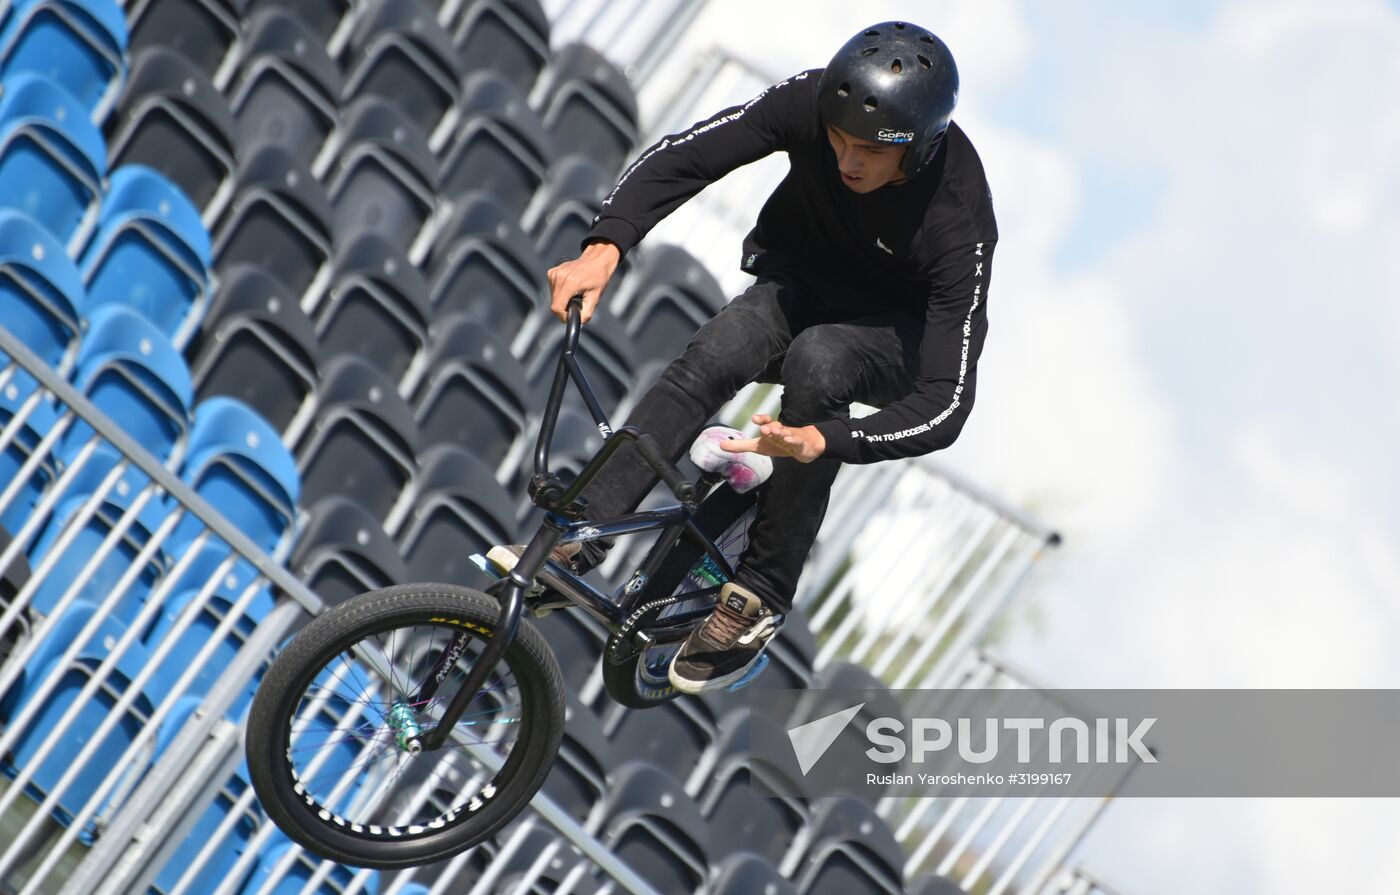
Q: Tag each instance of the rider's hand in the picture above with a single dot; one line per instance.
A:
(801, 443)
(586, 275)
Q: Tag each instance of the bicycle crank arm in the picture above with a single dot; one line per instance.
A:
(512, 599)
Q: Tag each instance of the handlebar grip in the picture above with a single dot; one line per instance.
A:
(683, 488)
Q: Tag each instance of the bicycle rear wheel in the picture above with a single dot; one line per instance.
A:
(333, 725)
(678, 598)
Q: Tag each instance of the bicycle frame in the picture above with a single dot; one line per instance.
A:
(563, 525)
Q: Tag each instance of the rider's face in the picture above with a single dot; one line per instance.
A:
(865, 166)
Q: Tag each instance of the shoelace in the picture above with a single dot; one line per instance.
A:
(725, 624)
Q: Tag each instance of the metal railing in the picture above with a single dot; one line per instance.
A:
(119, 751)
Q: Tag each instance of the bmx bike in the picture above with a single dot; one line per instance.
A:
(408, 724)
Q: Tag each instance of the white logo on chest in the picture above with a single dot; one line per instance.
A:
(880, 244)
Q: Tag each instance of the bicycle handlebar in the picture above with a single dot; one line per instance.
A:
(647, 446)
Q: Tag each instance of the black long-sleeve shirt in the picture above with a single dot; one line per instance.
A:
(925, 243)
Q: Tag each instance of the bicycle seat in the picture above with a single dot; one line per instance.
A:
(743, 472)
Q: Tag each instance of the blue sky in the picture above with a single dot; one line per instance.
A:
(1192, 370)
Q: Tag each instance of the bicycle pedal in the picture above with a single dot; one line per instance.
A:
(753, 672)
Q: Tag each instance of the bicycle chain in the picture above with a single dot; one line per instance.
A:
(623, 635)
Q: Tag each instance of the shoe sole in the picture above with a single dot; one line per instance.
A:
(695, 688)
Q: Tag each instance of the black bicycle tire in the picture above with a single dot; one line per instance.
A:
(528, 656)
(621, 679)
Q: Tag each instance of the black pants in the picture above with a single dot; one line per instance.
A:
(785, 329)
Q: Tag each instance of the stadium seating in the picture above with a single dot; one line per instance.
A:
(850, 849)
(563, 209)
(652, 825)
(485, 266)
(669, 296)
(39, 420)
(363, 440)
(150, 253)
(377, 307)
(588, 106)
(458, 509)
(475, 393)
(227, 850)
(506, 36)
(400, 53)
(172, 119)
(51, 158)
(41, 290)
(279, 221)
(501, 145)
(344, 552)
(743, 873)
(288, 88)
(258, 345)
(384, 179)
(75, 45)
(206, 32)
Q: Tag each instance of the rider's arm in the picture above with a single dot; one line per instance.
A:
(681, 165)
(930, 417)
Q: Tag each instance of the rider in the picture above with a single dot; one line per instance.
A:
(872, 260)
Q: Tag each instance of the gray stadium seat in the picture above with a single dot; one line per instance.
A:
(288, 90)
(343, 552)
(458, 509)
(851, 850)
(588, 106)
(363, 442)
(501, 145)
(384, 179)
(400, 53)
(257, 345)
(563, 210)
(510, 37)
(172, 119)
(204, 31)
(376, 308)
(485, 266)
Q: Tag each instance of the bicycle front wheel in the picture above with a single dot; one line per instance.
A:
(334, 725)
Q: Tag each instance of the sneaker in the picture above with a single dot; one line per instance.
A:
(726, 646)
(543, 596)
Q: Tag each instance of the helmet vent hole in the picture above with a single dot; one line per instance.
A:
(871, 103)
(924, 61)
(843, 90)
(872, 33)
(870, 51)
(926, 39)
(899, 26)
(897, 66)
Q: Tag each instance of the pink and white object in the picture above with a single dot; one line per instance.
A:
(743, 472)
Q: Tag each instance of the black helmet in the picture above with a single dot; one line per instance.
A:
(892, 83)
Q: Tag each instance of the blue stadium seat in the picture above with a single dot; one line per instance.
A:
(459, 509)
(198, 634)
(129, 369)
(588, 104)
(652, 825)
(41, 292)
(214, 870)
(343, 552)
(364, 441)
(204, 31)
(93, 712)
(280, 221)
(78, 44)
(485, 266)
(236, 461)
(501, 146)
(172, 119)
(385, 177)
(475, 392)
(101, 586)
(510, 37)
(400, 53)
(40, 421)
(150, 253)
(51, 158)
(377, 307)
(288, 89)
(257, 345)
